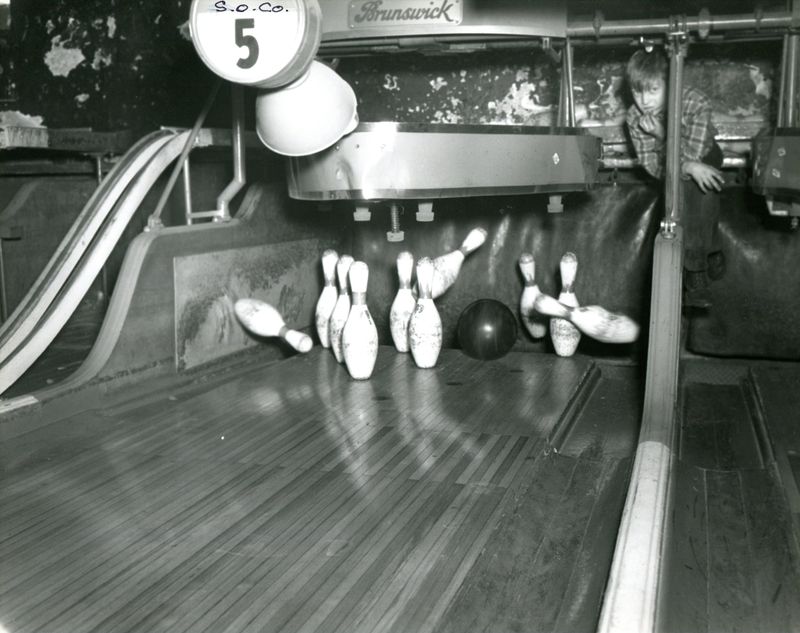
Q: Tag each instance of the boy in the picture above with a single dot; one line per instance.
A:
(700, 161)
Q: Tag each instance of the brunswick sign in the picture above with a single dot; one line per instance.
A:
(382, 13)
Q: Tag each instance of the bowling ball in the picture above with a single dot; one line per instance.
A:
(487, 329)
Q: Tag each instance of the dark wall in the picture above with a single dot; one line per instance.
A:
(611, 230)
(107, 65)
(756, 303)
(32, 226)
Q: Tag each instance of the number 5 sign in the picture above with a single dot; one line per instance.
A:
(256, 43)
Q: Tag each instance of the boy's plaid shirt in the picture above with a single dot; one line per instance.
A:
(697, 133)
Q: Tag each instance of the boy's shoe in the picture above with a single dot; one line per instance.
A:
(716, 265)
(697, 294)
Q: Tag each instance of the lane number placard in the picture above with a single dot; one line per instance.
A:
(250, 42)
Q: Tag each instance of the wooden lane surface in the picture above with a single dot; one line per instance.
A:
(733, 556)
(293, 498)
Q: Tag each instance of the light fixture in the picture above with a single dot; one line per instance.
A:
(308, 115)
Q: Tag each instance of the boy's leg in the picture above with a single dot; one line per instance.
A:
(700, 220)
(712, 202)
(700, 217)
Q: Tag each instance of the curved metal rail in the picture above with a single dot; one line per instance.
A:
(76, 274)
(78, 239)
(633, 594)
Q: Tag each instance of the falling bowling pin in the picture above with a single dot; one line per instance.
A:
(262, 319)
(594, 321)
(425, 324)
(359, 335)
(527, 267)
(341, 310)
(328, 296)
(564, 334)
(447, 267)
(404, 302)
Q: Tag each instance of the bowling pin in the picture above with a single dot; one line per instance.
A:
(359, 335)
(425, 324)
(341, 310)
(446, 267)
(594, 321)
(404, 302)
(529, 293)
(262, 319)
(565, 335)
(328, 296)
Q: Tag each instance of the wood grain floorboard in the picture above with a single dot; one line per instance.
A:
(686, 587)
(292, 498)
(583, 596)
(775, 578)
(732, 555)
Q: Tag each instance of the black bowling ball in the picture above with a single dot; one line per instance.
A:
(487, 329)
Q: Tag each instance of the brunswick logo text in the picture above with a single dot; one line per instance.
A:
(403, 12)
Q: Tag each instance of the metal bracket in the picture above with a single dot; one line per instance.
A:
(668, 228)
(646, 43)
(677, 44)
(395, 234)
(154, 223)
(678, 34)
(758, 14)
(425, 211)
(362, 213)
(703, 23)
(597, 23)
(555, 205)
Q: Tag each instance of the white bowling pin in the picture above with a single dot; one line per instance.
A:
(527, 266)
(404, 302)
(359, 336)
(594, 321)
(341, 310)
(446, 267)
(328, 296)
(565, 335)
(262, 319)
(425, 324)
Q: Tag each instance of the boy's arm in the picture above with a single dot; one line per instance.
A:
(649, 149)
(697, 139)
(698, 131)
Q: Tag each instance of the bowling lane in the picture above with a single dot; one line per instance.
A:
(472, 496)
(732, 550)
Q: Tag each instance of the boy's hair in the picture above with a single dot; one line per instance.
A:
(646, 67)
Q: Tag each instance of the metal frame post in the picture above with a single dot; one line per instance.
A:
(567, 80)
(677, 51)
(789, 84)
(237, 133)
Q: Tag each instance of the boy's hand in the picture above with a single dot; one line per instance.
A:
(652, 125)
(706, 176)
